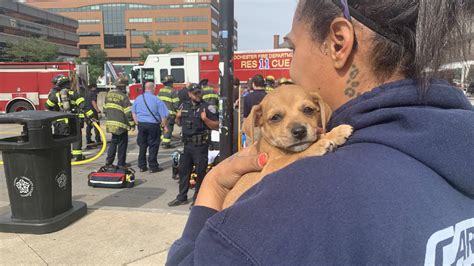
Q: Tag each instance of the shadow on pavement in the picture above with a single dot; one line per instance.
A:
(130, 198)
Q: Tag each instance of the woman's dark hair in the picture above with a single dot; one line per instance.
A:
(416, 31)
(258, 80)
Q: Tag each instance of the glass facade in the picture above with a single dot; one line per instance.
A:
(114, 25)
(195, 19)
(196, 45)
(88, 33)
(89, 21)
(103, 7)
(140, 20)
(168, 32)
(167, 19)
(141, 32)
(195, 32)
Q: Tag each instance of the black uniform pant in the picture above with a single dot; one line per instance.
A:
(120, 142)
(62, 128)
(148, 139)
(89, 128)
(193, 156)
(166, 139)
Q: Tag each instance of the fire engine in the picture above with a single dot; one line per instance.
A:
(25, 86)
(193, 67)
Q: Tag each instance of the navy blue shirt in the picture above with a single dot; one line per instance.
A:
(157, 107)
(400, 191)
(252, 99)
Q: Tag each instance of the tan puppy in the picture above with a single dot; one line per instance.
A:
(285, 124)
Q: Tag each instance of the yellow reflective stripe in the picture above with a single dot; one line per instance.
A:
(81, 116)
(114, 106)
(73, 102)
(166, 99)
(132, 123)
(172, 112)
(210, 96)
(165, 90)
(90, 113)
(116, 124)
(165, 140)
(71, 92)
(76, 152)
(50, 103)
(176, 100)
(80, 100)
(127, 110)
(65, 120)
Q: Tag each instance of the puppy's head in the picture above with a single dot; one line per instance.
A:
(288, 118)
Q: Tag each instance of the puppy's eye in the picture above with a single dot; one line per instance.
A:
(276, 118)
(308, 110)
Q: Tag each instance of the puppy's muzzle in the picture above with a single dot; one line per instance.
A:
(299, 132)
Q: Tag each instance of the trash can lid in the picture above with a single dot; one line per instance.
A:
(33, 119)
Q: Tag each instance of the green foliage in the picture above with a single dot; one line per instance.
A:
(96, 57)
(154, 47)
(31, 50)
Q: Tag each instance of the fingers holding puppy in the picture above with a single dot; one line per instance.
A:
(222, 178)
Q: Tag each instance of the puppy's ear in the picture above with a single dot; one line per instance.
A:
(324, 109)
(254, 120)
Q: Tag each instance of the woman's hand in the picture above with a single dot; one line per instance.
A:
(222, 178)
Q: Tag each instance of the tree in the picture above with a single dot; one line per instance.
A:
(154, 47)
(96, 57)
(31, 50)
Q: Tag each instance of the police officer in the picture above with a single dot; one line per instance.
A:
(118, 111)
(196, 118)
(63, 98)
(170, 97)
(269, 84)
(208, 94)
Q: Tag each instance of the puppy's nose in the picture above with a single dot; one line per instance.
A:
(299, 132)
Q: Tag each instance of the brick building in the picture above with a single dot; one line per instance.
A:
(186, 25)
(19, 21)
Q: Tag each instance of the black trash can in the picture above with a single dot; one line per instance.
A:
(38, 173)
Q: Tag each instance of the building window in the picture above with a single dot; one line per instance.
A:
(174, 45)
(141, 32)
(114, 25)
(167, 19)
(195, 32)
(196, 45)
(168, 32)
(89, 21)
(89, 34)
(196, 19)
(138, 45)
(89, 46)
(177, 61)
(215, 22)
(103, 7)
(140, 20)
(214, 34)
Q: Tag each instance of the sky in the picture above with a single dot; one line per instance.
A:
(259, 20)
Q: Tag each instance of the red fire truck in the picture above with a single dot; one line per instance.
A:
(25, 86)
(193, 67)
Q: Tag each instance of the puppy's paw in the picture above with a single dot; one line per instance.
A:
(340, 134)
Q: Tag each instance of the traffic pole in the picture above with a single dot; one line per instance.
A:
(226, 74)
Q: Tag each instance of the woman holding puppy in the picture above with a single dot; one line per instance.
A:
(400, 191)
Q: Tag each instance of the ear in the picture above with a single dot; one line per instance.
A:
(252, 121)
(324, 109)
(341, 41)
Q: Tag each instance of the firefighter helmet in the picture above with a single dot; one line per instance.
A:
(204, 82)
(55, 79)
(168, 79)
(121, 82)
(63, 82)
(194, 88)
(270, 78)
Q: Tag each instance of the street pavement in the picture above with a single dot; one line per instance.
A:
(123, 226)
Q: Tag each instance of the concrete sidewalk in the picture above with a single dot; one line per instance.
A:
(104, 236)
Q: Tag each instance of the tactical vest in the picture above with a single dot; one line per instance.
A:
(191, 121)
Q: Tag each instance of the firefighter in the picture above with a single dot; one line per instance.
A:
(170, 97)
(196, 118)
(64, 99)
(118, 112)
(269, 84)
(208, 94)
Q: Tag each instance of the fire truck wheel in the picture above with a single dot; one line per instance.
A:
(20, 106)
